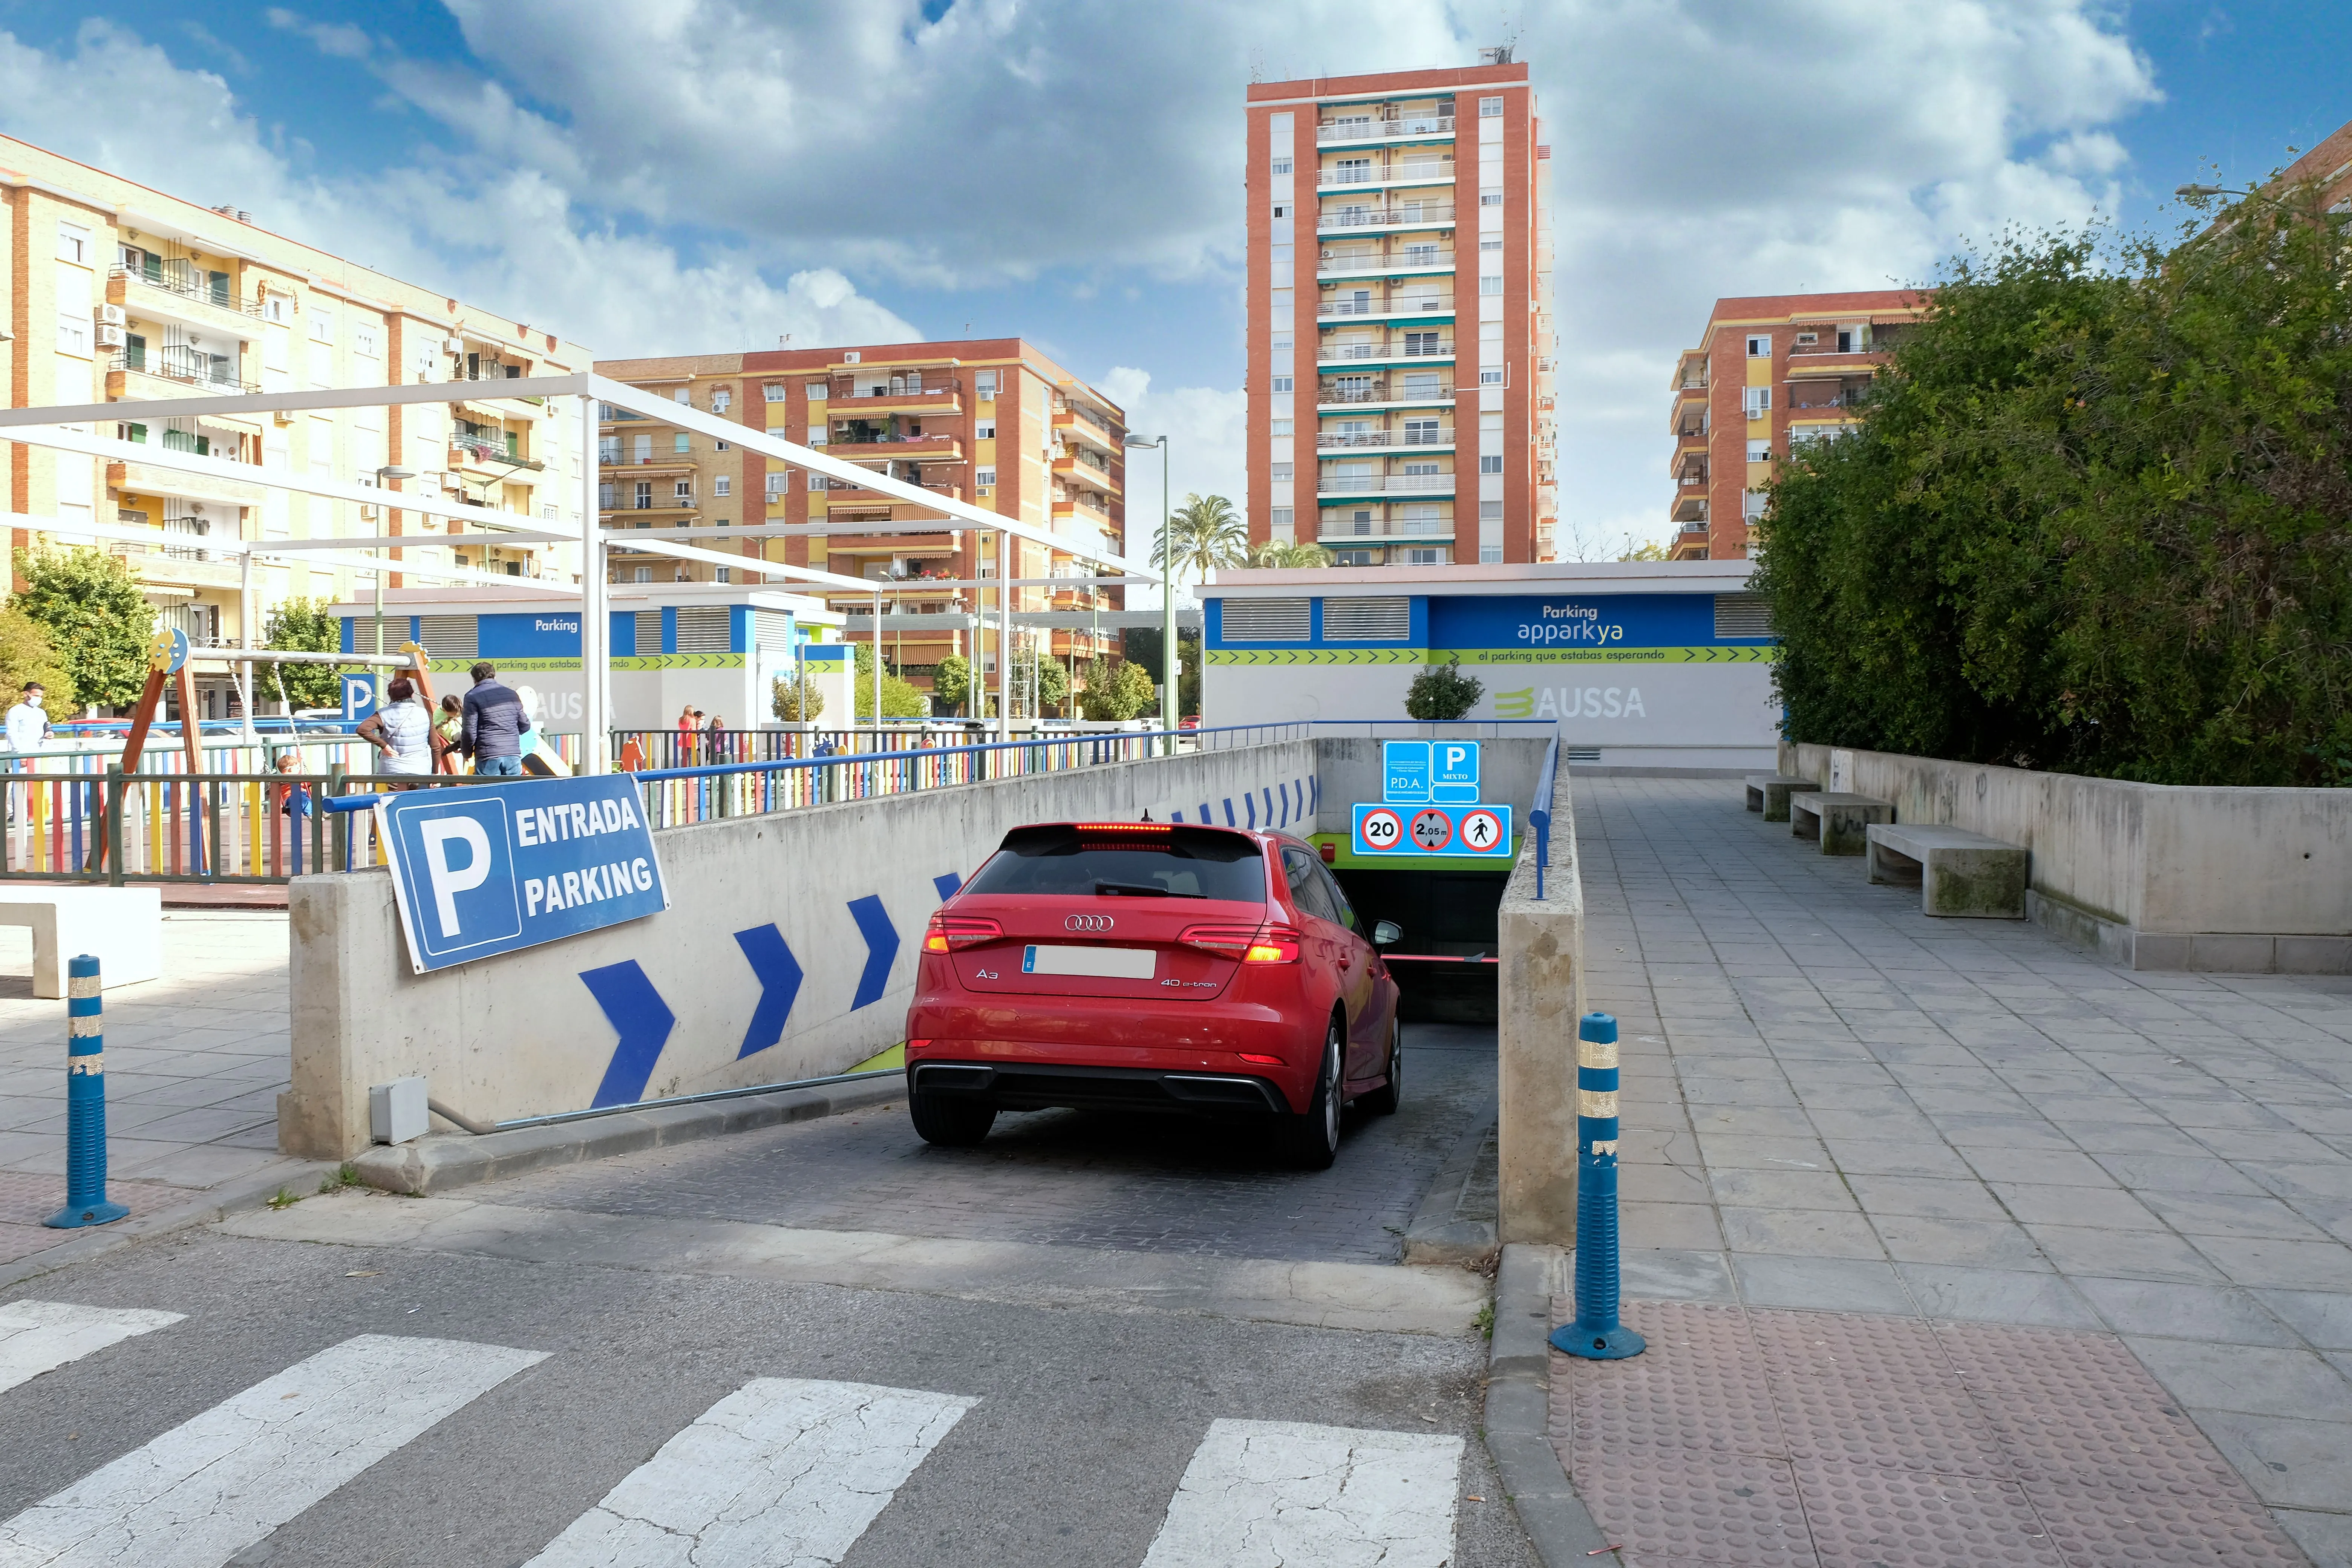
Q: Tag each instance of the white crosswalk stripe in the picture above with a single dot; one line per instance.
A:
(223, 1479)
(36, 1336)
(782, 1473)
(1280, 1494)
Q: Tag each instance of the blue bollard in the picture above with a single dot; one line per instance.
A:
(85, 1103)
(1596, 1334)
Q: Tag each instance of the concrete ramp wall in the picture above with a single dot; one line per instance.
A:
(788, 953)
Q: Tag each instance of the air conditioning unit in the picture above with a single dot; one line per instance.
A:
(367, 514)
(109, 337)
(850, 358)
(109, 316)
(453, 346)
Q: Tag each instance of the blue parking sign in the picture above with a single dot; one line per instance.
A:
(485, 870)
(1453, 773)
(1404, 772)
(359, 697)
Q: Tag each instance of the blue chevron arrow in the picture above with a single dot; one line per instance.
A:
(642, 1019)
(947, 885)
(779, 975)
(881, 949)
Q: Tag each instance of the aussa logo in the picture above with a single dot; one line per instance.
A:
(1571, 702)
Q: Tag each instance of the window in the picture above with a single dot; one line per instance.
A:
(722, 484)
(984, 430)
(1760, 346)
(677, 443)
(817, 390)
(1760, 451)
(684, 490)
(682, 396)
(644, 448)
(608, 448)
(1490, 511)
(1490, 555)
(1282, 472)
(73, 243)
(1752, 505)
(1425, 555)
(274, 308)
(1490, 285)
(985, 478)
(1499, 376)
(1284, 344)
(644, 495)
(985, 382)
(778, 480)
(364, 340)
(772, 391)
(641, 574)
(73, 334)
(1490, 247)
(604, 496)
(1489, 108)
(1281, 211)
(719, 446)
(1282, 163)
(721, 400)
(1490, 198)
(323, 323)
(1491, 464)
(1282, 427)
(1282, 516)
(1283, 383)
(1756, 400)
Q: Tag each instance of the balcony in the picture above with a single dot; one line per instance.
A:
(1688, 510)
(908, 448)
(651, 463)
(177, 560)
(872, 400)
(1417, 260)
(1408, 439)
(1077, 420)
(1411, 172)
(845, 492)
(1801, 396)
(1382, 353)
(657, 503)
(169, 373)
(491, 460)
(1404, 214)
(1430, 306)
(1332, 527)
(1370, 392)
(191, 296)
(1384, 485)
(1073, 468)
(141, 478)
(1384, 128)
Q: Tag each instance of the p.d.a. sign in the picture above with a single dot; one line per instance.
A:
(478, 872)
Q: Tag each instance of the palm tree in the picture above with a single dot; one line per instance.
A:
(1284, 552)
(1201, 535)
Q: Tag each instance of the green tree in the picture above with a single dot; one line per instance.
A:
(951, 683)
(1275, 554)
(900, 699)
(304, 625)
(1648, 550)
(1142, 646)
(1115, 692)
(90, 606)
(26, 655)
(1052, 681)
(795, 699)
(2096, 516)
(1206, 535)
(1442, 691)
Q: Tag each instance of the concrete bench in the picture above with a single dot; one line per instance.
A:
(1769, 793)
(124, 926)
(1837, 822)
(1956, 872)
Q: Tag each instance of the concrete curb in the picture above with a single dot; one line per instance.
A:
(1434, 1235)
(248, 1192)
(442, 1161)
(1519, 1410)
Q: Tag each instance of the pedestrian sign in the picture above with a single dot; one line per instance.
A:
(1475, 832)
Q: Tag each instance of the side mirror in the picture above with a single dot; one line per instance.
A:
(1385, 932)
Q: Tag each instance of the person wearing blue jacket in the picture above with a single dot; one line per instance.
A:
(494, 725)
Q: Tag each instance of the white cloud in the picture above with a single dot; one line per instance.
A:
(1205, 449)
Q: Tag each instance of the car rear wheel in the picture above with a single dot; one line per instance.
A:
(950, 1121)
(1384, 1101)
(1312, 1140)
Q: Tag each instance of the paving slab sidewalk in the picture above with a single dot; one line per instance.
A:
(194, 1062)
(1835, 1105)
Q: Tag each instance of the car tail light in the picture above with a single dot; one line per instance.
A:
(1250, 945)
(948, 932)
(1158, 828)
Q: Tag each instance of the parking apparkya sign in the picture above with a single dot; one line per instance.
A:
(477, 872)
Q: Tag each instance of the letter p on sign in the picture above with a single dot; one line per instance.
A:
(449, 881)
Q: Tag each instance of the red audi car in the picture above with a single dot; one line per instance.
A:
(1152, 966)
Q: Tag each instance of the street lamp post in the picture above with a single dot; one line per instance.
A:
(1167, 600)
(388, 472)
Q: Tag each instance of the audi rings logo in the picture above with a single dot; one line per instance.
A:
(1087, 922)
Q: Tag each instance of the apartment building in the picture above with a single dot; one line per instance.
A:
(992, 422)
(1400, 403)
(1770, 372)
(115, 291)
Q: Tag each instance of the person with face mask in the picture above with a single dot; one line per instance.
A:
(28, 724)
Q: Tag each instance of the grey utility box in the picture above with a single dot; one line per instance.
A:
(396, 1110)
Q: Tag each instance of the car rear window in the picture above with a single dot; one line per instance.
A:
(1176, 861)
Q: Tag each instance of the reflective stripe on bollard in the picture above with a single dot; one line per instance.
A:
(85, 1103)
(1596, 1334)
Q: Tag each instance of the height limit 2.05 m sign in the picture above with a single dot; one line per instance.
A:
(478, 872)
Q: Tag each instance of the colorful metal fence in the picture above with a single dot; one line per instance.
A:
(166, 827)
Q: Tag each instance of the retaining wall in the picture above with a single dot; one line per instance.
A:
(1540, 996)
(2153, 876)
(788, 953)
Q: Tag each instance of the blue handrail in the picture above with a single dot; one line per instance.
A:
(1540, 812)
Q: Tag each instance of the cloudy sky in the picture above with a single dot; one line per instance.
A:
(656, 176)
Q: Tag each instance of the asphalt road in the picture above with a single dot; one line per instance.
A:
(711, 1391)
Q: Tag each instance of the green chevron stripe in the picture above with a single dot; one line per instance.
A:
(1753, 654)
(620, 661)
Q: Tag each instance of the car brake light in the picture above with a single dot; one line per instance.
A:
(1250, 945)
(1159, 828)
(948, 933)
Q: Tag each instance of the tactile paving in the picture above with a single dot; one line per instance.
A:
(1752, 1436)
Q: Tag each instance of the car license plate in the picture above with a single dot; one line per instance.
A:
(1107, 962)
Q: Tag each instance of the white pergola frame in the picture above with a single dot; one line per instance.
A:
(51, 427)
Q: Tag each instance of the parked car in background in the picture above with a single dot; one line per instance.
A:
(1152, 966)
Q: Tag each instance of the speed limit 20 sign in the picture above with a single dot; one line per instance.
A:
(1471, 832)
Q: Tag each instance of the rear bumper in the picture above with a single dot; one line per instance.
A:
(1035, 1086)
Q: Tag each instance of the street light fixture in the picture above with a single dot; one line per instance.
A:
(1167, 599)
(389, 471)
(2201, 190)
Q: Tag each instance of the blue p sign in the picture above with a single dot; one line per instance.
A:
(454, 868)
(1453, 773)
(359, 696)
